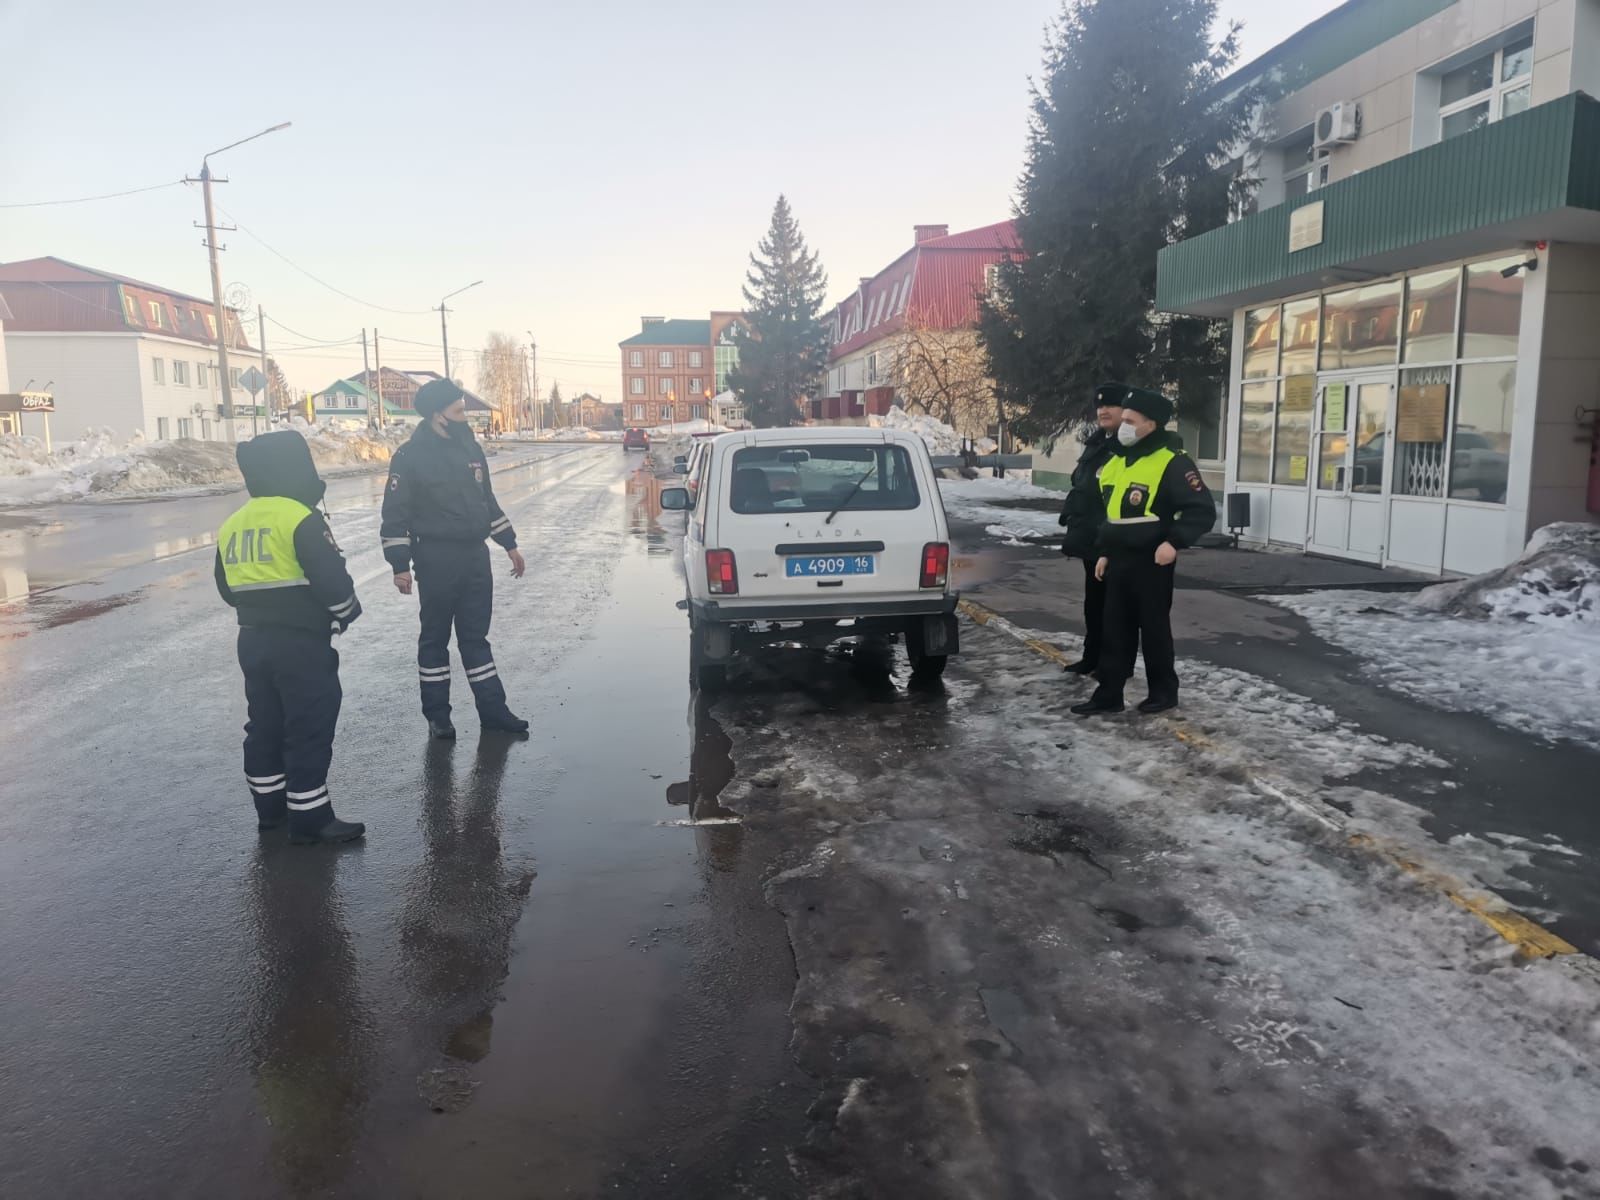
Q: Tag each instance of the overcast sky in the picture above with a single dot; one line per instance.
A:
(590, 162)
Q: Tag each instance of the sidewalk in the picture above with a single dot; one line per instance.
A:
(1524, 811)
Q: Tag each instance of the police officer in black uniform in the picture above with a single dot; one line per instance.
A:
(1081, 514)
(1154, 504)
(438, 508)
(278, 565)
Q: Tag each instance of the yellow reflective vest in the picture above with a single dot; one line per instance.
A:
(1130, 488)
(256, 545)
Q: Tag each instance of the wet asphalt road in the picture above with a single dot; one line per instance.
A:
(532, 979)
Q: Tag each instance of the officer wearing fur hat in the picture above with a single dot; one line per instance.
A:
(1154, 505)
(438, 508)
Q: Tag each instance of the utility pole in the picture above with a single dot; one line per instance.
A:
(527, 388)
(366, 378)
(266, 388)
(377, 356)
(533, 383)
(221, 314)
(444, 330)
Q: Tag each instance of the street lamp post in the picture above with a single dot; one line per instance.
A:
(444, 330)
(216, 277)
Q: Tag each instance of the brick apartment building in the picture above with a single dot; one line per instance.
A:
(672, 368)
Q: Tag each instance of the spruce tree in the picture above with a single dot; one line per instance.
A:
(784, 352)
(1129, 137)
(555, 406)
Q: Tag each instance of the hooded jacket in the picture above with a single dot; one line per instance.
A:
(439, 490)
(1083, 509)
(278, 465)
(1183, 506)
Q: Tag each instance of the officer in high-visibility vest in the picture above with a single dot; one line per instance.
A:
(278, 565)
(1155, 504)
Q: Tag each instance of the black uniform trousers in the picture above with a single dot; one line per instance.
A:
(1094, 613)
(291, 689)
(456, 588)
(1138, 613)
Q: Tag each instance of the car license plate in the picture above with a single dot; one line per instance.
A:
(828, 565)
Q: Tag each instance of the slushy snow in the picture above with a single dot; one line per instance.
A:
(1520, 646)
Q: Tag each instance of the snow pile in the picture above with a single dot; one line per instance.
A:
(941, 438)
(1556, 579)
(1520, 645)
(688, 429)
(102, 466)
(577, 433)
(1010, 508)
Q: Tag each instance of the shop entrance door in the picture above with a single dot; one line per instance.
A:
(1350, 482)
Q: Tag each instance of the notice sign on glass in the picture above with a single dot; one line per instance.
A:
(1298, 464)
(1299, 393)
(1422, 413)
(1334, 400)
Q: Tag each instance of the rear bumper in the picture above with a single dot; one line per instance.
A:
(938, 604)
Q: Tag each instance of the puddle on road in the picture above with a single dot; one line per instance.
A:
(710, 766)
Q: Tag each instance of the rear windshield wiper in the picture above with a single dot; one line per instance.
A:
(851, 494)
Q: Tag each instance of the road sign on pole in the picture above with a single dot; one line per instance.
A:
(253, 381)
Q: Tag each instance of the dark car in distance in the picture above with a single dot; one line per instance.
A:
(635, 439)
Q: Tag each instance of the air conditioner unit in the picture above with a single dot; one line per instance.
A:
(199, 410)
(1337, 124)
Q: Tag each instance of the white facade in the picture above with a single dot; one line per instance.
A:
(129, 382)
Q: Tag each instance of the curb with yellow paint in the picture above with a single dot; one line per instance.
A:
(1530, 938)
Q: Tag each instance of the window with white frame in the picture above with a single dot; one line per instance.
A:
(636, 386)
(161, 429)
(638, 412)
(180, 372)
(157, 317)
(696, 411)
(185, 427)
(1491, 87)
(696, 386)
(696, 358)
(234, 374)
(872, 367)
(664, 386)
(200, 378)
(664, 358)
(158, 370)
(666, 412)
(211, 327)
(636, 358)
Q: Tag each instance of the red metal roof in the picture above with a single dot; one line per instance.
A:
(51, 269)
(935, 283)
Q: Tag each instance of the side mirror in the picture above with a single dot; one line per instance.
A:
(680, 467)
(675, 499)
(682, 458)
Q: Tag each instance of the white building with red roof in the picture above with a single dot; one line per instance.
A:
(932, 288)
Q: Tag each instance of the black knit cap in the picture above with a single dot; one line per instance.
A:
(435, 396)
(1143, 401)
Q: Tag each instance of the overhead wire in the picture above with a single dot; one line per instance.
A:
(155, 187)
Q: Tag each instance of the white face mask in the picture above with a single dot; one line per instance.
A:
(1126, 434)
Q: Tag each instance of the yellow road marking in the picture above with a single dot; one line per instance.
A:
(1529, 937)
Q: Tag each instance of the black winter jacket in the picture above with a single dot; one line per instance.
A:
(439, 490)
(1184, 506)
(1083, 509)
(279, 464)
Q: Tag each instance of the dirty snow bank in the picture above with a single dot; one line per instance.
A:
(941, 438)
(1520, 646)
(99, 465)
(1031, 948)
(1011, 508)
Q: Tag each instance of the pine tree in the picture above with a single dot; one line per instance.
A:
(555, 405)
(784, 352)
(1128, 136)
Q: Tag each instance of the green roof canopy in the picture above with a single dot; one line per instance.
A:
(672, 333)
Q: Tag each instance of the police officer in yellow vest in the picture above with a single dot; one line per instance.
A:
(278, 566)
(1156, 504)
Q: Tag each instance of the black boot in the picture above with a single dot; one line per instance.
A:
(1158, 704)
(272, 810)
(443, 730)
(330, 832)
(1101, 702)
(504, 721)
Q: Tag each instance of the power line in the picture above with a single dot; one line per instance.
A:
(310, 337)
(155, 187)
(400, 312)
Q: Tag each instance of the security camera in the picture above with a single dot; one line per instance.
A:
(1510, 272)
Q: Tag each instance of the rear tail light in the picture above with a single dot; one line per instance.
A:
(722, 575)
(935, 564)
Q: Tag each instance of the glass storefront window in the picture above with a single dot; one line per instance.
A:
(1360, 327)
(1300, 336)
(1491, 312)
(1291, 448)
(1430, 333)
(1261, 342)
(1258, 400)
(1372, 415)
(1421, 411)
(1480, 455)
